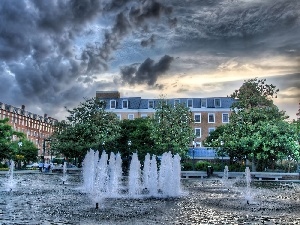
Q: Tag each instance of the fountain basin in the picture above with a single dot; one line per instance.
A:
(43, 199)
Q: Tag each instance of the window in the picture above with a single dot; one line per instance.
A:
(125, 104)
(211, 117)
(130, 116)
(225, 118)
(190, 103)
(211, 129)
(217, 102)
(203, 103)
(197, 118)
(112, 104)
(150, 104)
(119, 116)
(143, 115)
(198, 132)
(176, 102)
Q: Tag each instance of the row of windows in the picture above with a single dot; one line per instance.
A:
(31, 132)
(28, 123)
(151, 103)
(211, 118)
(197, 117)
(198, 132)
(29, 117)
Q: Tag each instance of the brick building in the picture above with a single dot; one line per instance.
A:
(37, 128)
(208, 113)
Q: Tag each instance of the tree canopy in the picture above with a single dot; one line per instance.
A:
(135, 137)
(7, 135)
(87, 126)
(257, 130)
(171, 128)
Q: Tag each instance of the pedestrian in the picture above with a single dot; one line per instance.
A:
(46, 166)
(41, 165)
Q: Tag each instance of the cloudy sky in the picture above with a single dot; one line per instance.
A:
(56, 53)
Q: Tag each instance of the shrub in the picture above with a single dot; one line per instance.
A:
(202, 165)
(186, 166)
(4, 165)
(218, 167)
(236, 167)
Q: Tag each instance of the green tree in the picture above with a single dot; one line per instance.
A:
(171, 128)
(24, 151)
(6, 139)
(137, 132)
(257, 129)
(254, 93)
(296, 124)
(87, 126)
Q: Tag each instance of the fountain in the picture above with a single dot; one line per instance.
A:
(248, 192)
(225, 177)
(152, 177)
(37, 199)
(11, 182)
(102, 180)
(65, 175)
(134, 179)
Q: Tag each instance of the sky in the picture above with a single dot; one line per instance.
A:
(55, 54)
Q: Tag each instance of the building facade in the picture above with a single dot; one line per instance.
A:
(207, 113)
(38, 129)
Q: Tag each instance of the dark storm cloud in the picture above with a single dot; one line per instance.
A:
(35, 42)
(147, 42)
(41, 61)
(51, 50)
(152, 9)
(236, 27)
(147, 72)
(96, 57)
(243, 19)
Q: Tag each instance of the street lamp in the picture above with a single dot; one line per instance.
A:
(129, 144)
(193, 154)
(222, 143)
(128, 161)
(19, 154)
(103, 145)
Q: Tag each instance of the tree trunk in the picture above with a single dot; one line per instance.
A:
(253, 165)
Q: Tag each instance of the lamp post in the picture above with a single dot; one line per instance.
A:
(222, 143)
(44, 148)
(128, 158)
(193, 154)
(19, 154)
(103, 146)
(129, 144)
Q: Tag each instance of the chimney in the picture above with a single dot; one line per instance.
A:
(23, 107)
(45, 115)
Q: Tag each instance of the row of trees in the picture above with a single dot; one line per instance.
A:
(91, 126)
(257, 131)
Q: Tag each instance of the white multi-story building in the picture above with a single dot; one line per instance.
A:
(207, 113)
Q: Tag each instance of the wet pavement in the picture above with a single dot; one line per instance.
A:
(44, 199)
